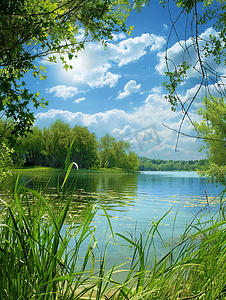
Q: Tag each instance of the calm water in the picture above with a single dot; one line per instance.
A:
(133, 201)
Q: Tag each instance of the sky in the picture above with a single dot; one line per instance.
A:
(120, 90)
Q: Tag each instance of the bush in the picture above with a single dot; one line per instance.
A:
(5, 161)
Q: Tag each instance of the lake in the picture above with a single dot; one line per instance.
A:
(133, 202)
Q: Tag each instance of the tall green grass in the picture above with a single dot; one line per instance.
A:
(37, 262)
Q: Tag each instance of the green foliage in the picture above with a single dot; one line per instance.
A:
(113, 153)
(49, 147)
(106, 151)
(6, 162)
(131, 162)
(31, 148)
(84, 149)
(176, 78)
(212, 129)
(31, 29)
(56, 141)
(147, 164)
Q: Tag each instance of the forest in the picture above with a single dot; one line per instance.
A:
(147, 164)
(49, 148)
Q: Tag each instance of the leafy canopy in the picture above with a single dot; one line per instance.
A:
(40, 29)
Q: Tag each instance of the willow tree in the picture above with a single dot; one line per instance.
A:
(47, 29)
(116, 154)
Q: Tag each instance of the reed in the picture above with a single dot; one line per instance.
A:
(195, 268)
(37, 262)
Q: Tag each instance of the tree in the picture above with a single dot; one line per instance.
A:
(32, 148)
(31, 29)
(131, 161)
(212, 129)
(84, 149)
(113, 154)
(57, 140)
(196, 51)
(119, 148)
(106, 151)
(49, 147)
(179, 166)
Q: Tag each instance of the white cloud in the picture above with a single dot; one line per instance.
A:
(79, 100)
(177, 54)
(195, 86)
(97, 67)
(93, 65)
(165, 27)
(120, 36)
(155, 98)
(155, 110)
(133, 48)
(156, 90)
(151, 112)
(130, 88)
(63, 91)
(121, 132)
(201, 91)
(159, 41)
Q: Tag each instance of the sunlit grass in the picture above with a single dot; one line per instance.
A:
(34, 169)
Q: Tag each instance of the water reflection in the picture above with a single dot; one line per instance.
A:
(113, 190)
(121, 192)
(133, 200)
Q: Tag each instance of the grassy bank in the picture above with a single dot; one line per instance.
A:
(49, 169)
(37, 262)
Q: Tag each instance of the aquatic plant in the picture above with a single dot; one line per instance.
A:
(36, 260)
(194, 268)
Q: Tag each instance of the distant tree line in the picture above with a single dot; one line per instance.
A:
(49, 147)
(147, 164)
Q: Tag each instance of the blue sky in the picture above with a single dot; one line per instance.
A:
(120, 90)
